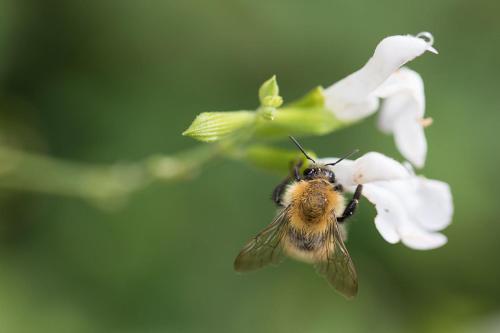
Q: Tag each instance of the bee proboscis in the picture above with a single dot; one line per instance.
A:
(308, 226)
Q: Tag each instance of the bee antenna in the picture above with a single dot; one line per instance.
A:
(301, 149)
(355, 151)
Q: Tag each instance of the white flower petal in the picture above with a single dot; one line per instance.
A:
(389, 211)
(404, 91)
(402, 80)
(370, 167)
(344, 172)
(392, 108)
(428, 202)
(402, 113)
(419, 239)
(354, 92)
(434, 208)
(395, 221)
(410, 208)
(374, 166)
(410, 139)
(353, 112)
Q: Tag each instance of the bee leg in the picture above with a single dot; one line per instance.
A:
(351, 206)
(278, 191)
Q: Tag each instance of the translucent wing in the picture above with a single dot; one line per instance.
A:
(337, 266)
(265, 248)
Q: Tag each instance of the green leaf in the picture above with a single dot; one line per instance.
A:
(273, 159)
(213, 126)
(269, 93)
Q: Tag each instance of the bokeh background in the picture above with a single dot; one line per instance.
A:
(105, 81)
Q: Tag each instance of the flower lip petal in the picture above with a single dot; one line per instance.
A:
(427, 205)
(396, 220)
(389, 211)
(419, 239)
(411, 209)
(434, 207)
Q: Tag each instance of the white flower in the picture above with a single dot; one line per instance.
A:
(411, 209)
(357, 95)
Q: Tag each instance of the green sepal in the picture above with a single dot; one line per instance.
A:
(298, 121)
(267, 112)
(272, 158)
(214, 126)
(306, 116)
(313, 99)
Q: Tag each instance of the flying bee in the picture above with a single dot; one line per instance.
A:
(308, 226)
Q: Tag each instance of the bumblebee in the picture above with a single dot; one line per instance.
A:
(308, 226)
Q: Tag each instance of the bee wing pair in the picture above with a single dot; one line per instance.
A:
(266, 248)
(338, 268)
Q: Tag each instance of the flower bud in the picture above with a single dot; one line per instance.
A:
(214, 126)
(269, 93)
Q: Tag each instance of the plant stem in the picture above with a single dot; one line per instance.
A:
(103, 184)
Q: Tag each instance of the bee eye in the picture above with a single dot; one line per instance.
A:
(308, 172)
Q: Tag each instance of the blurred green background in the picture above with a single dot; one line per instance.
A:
(105, 81)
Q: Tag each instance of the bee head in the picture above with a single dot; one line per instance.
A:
(319, 171)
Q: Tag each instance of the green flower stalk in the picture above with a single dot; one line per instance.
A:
(271, 120)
